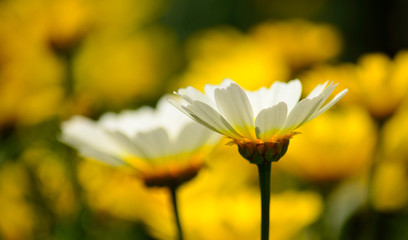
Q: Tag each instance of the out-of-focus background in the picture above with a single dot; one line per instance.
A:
(344, 177)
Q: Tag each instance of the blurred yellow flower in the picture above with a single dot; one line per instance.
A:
(376, 81)
(301, 43)
(66, 22)
(53, 179)
(336, 145)
(211, 206)
(119, 59)
(17, 216)
(344, 73)
(236, 216)
(98, 179)
(390, 186)
(39, 39)
(383, 82)
(126, 193)
(31, 77)
(117, 69)
(395, 135)
(224, 52)
(390, 181)
(268, 52)
(124, 16)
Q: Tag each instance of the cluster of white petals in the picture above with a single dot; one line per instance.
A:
(265, 114)
(155, 136)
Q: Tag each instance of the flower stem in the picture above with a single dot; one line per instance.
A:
(175, 210)
(264, 170)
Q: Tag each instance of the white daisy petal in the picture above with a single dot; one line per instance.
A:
(317, 90)
(213, 126)
(278, 110)
(129, 122)
(177, 103)
(126, 143)
(191, 94)
(234, 105)
(155, 144)
(169, 118)
(258, 99)
(91, 141)
(285, 92)
(300, 113)
(208, 116)
(325, 94)
(97, 155)
(321, 98)
(209, 89)
(329, 104)
(269, 121)
(192, 136)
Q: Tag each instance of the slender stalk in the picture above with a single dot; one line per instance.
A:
(175, 210)
(264, 171)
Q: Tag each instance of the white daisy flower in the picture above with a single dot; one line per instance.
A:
(164, 145)
(263, 117)
(260, 123)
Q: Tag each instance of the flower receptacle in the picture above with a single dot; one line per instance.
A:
(171, 179)
(259, 152)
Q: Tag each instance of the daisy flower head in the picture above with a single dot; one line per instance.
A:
(165, 147)
(259, 122)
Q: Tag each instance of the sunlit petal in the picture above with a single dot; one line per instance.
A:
(317, 90)
(329, 104)
(285, 92)
(300, 113)
(204, 113)
(278, 110)
(234, 105)
(270, 121)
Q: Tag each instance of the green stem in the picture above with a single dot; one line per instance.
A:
(175, 209)
(264, 171)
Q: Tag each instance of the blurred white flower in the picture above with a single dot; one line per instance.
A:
(160, 143)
